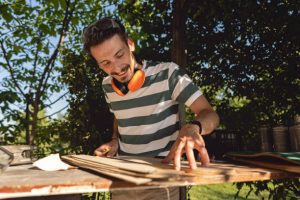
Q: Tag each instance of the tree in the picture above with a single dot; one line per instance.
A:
(179, 11)
(248, 50)
(247, 61)
(88, 122)
(149, 23)
(243, 54)
(240, 59)
(31, 43)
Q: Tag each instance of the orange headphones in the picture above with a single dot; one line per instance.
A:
(134, 84)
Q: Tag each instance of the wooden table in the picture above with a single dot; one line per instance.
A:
(27, 181)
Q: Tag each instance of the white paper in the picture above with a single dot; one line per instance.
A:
(51, 163)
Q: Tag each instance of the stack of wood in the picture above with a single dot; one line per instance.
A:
(130, 169)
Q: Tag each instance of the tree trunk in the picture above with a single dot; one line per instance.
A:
(34, 121)
(178, 54)
(27, 123)
(179, 39)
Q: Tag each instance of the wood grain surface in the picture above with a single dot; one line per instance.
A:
(26, 181)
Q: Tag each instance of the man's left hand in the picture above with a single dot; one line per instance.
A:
(188, 139)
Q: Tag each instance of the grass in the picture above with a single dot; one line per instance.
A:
(222, 191)
(204, 192)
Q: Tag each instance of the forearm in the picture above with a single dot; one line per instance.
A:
(115, 133)
(209, 120)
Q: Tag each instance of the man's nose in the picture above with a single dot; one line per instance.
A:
(116, 68)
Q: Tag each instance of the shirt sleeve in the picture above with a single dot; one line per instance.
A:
(182, 88)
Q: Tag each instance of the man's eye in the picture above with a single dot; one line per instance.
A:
(120, 55)
(105, 64)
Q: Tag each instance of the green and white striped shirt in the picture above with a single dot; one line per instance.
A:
(148, 119)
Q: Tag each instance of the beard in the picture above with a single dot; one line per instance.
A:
(124, 76)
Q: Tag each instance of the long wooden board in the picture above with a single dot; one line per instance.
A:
(27, 181)
(135, 171)
(109, 171)
(114, 162)
(286, 161)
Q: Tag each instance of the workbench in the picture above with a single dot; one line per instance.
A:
(27, 181)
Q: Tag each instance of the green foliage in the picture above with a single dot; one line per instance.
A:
(49, 137)
(96, 196)
(244, 55)
(247, 50)
(89, 121)
(149, 24)
(25, 45)
(233, 54)
(31, 41)
(278, 189)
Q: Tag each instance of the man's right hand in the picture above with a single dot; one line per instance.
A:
(108, 149)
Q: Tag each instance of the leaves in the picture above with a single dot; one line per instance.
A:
(29, 44)
(278, 189)
(5, 13)
(89, 122)
(244, 55)
(8, 96)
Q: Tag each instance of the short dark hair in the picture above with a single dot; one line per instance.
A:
(101, 30)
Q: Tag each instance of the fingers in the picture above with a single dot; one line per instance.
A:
(187, 143)
(108, 149)
(167, 159)
(204, 156)
(177, 154)
(170, 155)
(102, 150)
(112, 152)
(190, 154)
(202, 153)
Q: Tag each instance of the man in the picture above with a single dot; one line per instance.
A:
(144, 99)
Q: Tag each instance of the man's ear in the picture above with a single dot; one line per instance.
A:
(131, 44)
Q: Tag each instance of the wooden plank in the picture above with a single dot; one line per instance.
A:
(133, 171)
(24, 180)
(289, 162)
(292, 158)
(114, 162)
(283, 167)
(113, 172)
(86, 164)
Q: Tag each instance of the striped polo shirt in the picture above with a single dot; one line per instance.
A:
(148, 119)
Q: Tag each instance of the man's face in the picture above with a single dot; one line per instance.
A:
(115, 58)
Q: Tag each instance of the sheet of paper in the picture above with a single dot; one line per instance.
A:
(51, 163)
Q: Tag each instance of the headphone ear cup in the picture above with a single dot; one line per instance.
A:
(116, 89)
(137, 80)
